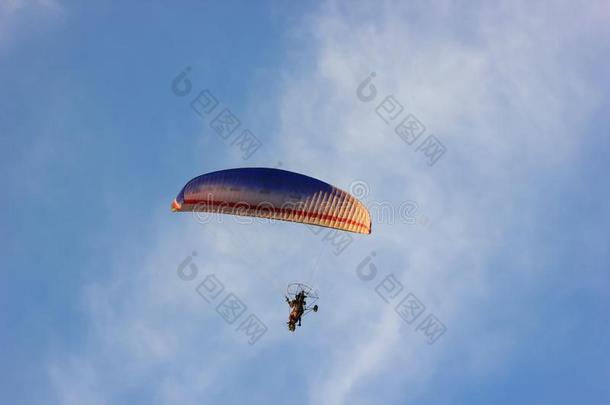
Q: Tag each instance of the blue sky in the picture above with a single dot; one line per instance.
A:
(510, 250)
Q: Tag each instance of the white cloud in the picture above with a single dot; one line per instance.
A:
(489, 83)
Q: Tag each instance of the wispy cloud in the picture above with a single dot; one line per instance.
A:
(487, 80)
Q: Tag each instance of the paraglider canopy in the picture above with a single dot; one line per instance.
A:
(276, 194)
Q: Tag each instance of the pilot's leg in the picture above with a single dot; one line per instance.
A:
(299, 321)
